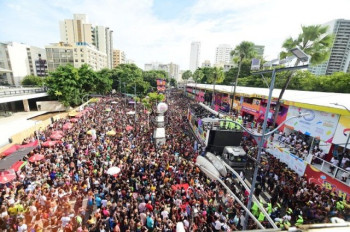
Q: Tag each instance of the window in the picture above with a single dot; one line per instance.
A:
(82, 60)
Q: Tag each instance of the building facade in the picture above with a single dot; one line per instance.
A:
(339, 60)
(195, 56)
(118, 58)
(76, 55)
(173, 71)
(78, 30)
(206, 63)
(20, 59)
(223, 54)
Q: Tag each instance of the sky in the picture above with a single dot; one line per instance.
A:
(162, 30)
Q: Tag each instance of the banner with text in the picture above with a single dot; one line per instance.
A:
(318, 177)
(295, 163)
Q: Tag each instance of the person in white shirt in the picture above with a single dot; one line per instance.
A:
(22, 227)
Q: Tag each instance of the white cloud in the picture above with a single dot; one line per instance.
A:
(145, 37)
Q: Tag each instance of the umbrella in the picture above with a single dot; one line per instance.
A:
(91, 132)
(57, 132)
(56, 136)
(111, 133)
(67, 126)
(7, 176)
(18, 165)
(108, 109)
(49, 143)
(72, 114)
(128, 128)
(113, 171)
(36, 157)
(73, 120)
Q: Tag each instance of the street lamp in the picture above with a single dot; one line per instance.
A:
(300, 54)
(263, 135)
(233, 100)
(347, 140)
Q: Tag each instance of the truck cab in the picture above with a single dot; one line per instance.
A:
(235, 156)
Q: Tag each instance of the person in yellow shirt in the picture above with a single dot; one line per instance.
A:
(12, 210)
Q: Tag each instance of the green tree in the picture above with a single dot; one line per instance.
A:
(65, 85)
(187, 75)
(152, 76)
(173, 82)
(32, 80)
(125, 73)
(245, 50)
(231, 74)
(103, 83)
(314, 41)
(88, 78)
(198, 75)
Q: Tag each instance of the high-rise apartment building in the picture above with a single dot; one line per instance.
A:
(206, 63)
(20, 60)
(78, 30)
(76, 55)
(118, 58)
(173, 71)
(195, 56)
(339, 59)
(259, 49)
(223, 54)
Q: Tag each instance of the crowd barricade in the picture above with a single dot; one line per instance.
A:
(295, 163)
(331, 170)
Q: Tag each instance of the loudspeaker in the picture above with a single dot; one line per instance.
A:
(10, 140)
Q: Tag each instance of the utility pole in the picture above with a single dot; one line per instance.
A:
(135, 103)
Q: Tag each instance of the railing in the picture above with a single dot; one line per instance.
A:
(321, 164)
(330, 169)
(7, 93)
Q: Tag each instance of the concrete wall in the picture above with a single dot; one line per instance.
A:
(50, 106)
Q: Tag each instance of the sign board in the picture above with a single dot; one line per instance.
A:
(318, 124)
(342, 132)
(255, 64)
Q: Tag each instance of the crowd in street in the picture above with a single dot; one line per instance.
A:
(158, 188)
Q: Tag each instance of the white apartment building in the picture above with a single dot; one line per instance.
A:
(339, 60)
(195, 56)
(206, 63)
(76, 55)
(173, 71)
(259, 49)
(20, 59)
(223, 54)
(78, 30)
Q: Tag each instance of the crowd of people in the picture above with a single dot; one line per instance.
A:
(158, 188)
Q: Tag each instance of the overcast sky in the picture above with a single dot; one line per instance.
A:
(162, 30)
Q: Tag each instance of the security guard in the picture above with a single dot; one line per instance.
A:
(240, 121)
(269, 208)
(227, 122)
(261, 217)
(299, 221)
(255, 209)
(340, 204)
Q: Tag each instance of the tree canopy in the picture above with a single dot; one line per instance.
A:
(32, 80)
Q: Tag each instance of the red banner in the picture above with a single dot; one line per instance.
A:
(327, 182)
(161, 82)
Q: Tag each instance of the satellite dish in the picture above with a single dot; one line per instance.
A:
(162, 107)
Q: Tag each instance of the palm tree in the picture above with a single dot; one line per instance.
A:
(245, 50)
(315, 42)
(216, 76)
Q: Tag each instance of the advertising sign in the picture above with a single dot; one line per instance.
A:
(342, 132)
(318, 124)
(295, 163)
(337, 188)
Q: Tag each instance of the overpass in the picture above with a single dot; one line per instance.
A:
(22, 94)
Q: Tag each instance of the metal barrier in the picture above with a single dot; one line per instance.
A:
(7, 93)
(330, 169)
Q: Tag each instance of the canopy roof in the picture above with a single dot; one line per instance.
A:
(306, 99)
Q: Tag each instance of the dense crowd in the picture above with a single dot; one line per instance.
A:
(158, 189)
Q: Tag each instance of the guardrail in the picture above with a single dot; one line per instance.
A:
(332, 170)
(7, 93)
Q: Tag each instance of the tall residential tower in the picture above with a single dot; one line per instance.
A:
(195, 55)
